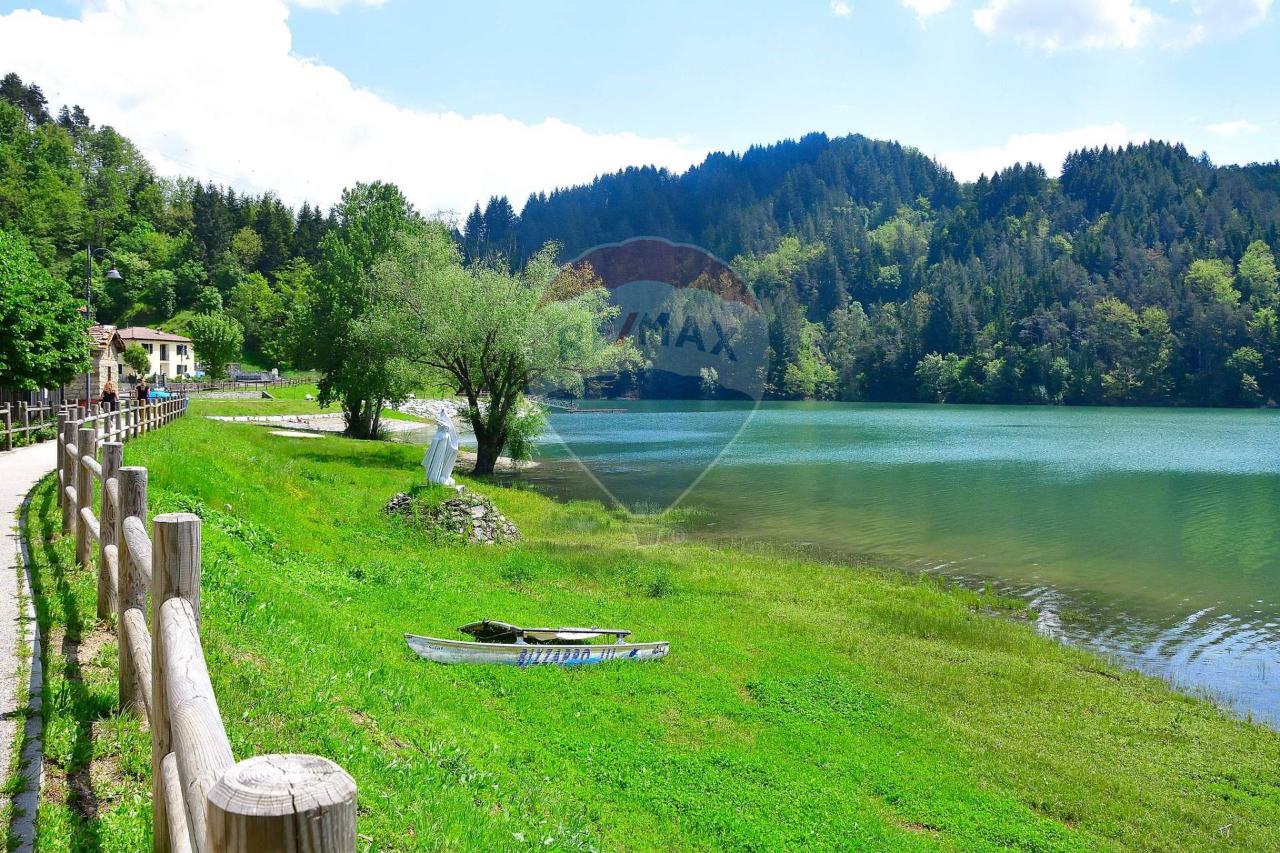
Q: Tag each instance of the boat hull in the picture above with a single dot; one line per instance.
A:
(459, 651)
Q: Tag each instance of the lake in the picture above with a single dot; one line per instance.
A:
(1151, 535)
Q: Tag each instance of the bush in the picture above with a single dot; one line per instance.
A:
(523, 432)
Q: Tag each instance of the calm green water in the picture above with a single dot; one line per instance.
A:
(1152, 535)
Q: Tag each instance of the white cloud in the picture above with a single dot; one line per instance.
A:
(1047, 149)
(1224, 18)
(1066, 24)
(927, 8)
(1054, 25)
(333, 5)
(1232, 128)
(259, 117)
(841, 9)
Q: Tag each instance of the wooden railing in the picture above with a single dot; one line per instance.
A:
(202, 800)
(235, 384)
(21, 419)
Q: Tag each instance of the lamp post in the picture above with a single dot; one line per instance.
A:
(113, 274)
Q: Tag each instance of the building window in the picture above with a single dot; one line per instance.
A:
(182, 349)
(109, 377)
(164, 352)
(148, 348)
(182, 369)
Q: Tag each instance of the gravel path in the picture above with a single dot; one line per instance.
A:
(19, 471)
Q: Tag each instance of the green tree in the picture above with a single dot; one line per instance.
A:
(138, 360)
(246, 248)
(369, 222)
(1213, 279)
(41, 186)
(160, 293)
(44, 342)
(1258, 273)
(1246, 364)
(708, 381)
(292, 286)
(208, 301)
(218, 340)
(939, 376)
(256, 306)
(491, 332)
(1153, 353)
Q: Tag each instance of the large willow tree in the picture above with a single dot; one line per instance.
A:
(490, 333)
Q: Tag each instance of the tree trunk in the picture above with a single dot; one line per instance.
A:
(488, 449)
(358, 417)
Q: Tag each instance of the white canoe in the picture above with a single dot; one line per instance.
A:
(511, 654)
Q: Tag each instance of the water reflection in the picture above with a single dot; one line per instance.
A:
(1150, 535)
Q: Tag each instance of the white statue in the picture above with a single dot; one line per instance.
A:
(442, 452)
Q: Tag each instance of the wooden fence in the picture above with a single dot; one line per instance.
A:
(234, 384)
(20, 419)
(202, 800)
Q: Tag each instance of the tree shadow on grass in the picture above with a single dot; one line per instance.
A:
(56, 608)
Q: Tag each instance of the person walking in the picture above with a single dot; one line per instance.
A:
(142, 391)
(110, 398)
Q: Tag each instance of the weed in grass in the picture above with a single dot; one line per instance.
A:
(661, 586)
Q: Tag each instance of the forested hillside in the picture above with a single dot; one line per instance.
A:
(1143, 275)
(182, 247)
(1140, 276)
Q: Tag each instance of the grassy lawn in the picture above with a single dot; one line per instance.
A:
(803, 705)
(289, 401)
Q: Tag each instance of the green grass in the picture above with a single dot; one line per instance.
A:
(286, 400)
(289, 400)
(803, 705)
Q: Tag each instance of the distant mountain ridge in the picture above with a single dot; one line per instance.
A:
(1142, 274)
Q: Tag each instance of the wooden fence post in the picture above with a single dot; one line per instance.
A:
(69, 476)
(175, 573)
(285, 803)
(60, 440)
(6, 421)
(108, 527)
(130, 591)
(86, 437)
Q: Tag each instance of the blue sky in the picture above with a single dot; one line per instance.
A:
(460, 100)
(728, 76)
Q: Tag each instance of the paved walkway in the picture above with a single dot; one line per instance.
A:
(19, 471)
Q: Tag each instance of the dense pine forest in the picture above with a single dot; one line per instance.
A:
(1142, 275)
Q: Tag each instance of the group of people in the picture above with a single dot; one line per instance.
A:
(111, 397)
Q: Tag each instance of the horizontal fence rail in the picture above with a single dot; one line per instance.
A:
(202, 801)
(21, 419)
(235, 384)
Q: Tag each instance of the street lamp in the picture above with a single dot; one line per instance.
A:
(113, 274)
